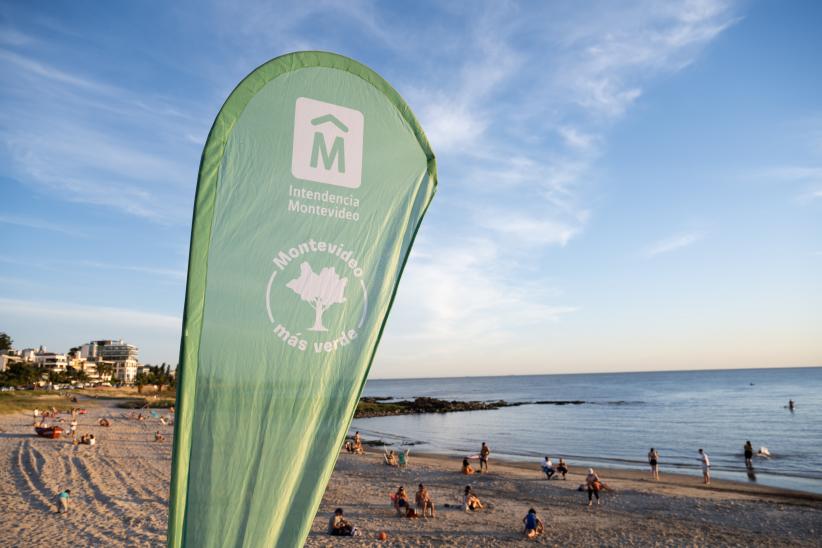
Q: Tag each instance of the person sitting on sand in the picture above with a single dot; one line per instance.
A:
(63, 500)
(594, 486)
(548, 467)
(653, 460)
(467, 469)
(471, 501)
(562, 468)
(91, 441)
(339, 526)
(349, 446)
(533, 525)
(158, 436)
(748, 450)
(706, 467)
(104, 422)
(424, 502)
(390, 458)
(401, 501)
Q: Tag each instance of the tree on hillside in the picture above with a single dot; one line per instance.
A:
(5, 342)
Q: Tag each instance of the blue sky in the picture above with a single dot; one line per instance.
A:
(622, 187)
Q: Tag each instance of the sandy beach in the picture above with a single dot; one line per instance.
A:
(120, 491)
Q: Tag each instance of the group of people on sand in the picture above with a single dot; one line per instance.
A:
(355, 445)
(552, 472)
(483, 455)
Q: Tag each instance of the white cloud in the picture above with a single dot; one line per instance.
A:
(179, 275)
(39, 224)
(673, 243)
(524, 230)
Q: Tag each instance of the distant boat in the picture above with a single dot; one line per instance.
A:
(52, 432)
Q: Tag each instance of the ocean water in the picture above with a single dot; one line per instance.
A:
(626, 414)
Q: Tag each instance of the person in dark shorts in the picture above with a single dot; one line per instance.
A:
(748, 454)
(562, 467)
(653, 460)
(533, 525)
(484, 452)
(339, 526)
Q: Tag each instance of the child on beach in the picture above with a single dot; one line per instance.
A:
(594, 485)
(562, 468)
(653, 460)
(548, 467)
(424, 502)
(339, 526)
(467, 469)
(390, 458)
(63, 500)
(706, 467)
(533, 525)
(471, 501)
(484, 452)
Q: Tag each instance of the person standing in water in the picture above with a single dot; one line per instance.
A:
(484, 452)
(653, 460)
(748, 448)
(706, 466)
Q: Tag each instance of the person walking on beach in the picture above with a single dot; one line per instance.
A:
(653, 460)
(63, 500)
(706, 466)
(73, 427)
(594, 485)
(484, 452)
(548, 467)
(748, 448)
(533, 525)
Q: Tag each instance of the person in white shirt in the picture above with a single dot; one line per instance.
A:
(706, 467)
(548, 467)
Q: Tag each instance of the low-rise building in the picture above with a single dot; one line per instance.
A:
(51, 361)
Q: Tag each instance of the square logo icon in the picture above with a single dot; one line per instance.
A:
(328, 142)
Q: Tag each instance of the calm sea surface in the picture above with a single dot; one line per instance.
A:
(624, 415)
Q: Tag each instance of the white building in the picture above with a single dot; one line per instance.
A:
(123, 356)
(50, 360)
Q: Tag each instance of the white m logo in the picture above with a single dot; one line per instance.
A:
(328, 142)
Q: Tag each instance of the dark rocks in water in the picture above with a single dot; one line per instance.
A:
(371, 407)
(560, 402)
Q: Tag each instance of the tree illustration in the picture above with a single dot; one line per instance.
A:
(319, 290)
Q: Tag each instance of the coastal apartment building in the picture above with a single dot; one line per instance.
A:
(50, 360)
(122, 356)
